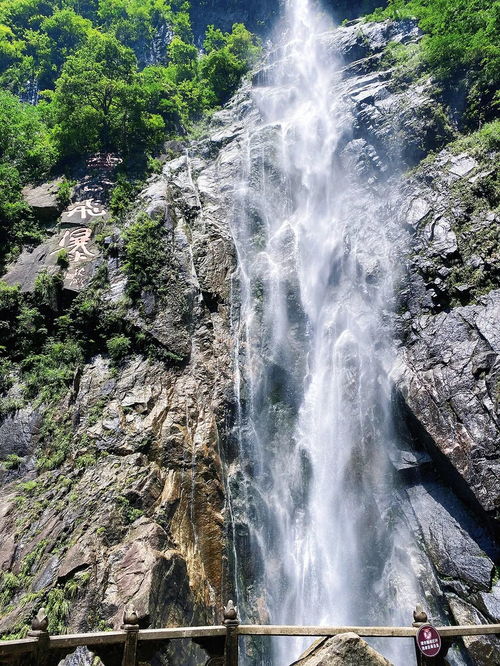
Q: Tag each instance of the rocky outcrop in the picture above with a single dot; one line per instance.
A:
(43, 200)
(447, 374)
(342, 650)
(448, 370)
(71, 253)
(134, 513)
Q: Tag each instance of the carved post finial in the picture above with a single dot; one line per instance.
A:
(231, 621)
(419, 615)
(130, 617)
(131, 626)
(39, 626)
(231, 613)
(40, 622)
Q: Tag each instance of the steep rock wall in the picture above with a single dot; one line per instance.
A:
(134, 514)
(146, 518)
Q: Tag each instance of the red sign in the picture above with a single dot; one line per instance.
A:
(428, 641)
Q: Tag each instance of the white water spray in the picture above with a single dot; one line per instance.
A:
(320, 532)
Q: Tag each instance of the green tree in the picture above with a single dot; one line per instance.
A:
(460, 47)
(67, 31)
(214, 39)
(138, 23)
(229, 56)
(26, 153)
(25, 141)
(99, 102)
(10, 48)
(162, 97)
(222, 72)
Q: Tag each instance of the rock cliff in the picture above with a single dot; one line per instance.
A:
(136, 512)
(133, 513)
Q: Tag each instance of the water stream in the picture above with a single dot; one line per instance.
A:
(319, 537)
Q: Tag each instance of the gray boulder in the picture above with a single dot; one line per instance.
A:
(342, 650)
(451, 539)
(43, 200)
(481, 649)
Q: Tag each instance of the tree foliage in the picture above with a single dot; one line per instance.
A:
(26, 153)
(117, 74)
(81, 76)
(461, 43)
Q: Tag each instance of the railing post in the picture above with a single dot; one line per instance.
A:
(131, 626)
(39, 631)
(419, 619)
(231, 621)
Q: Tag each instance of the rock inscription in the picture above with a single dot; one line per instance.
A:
(82, 212)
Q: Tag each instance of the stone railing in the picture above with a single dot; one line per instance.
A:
(132, 645)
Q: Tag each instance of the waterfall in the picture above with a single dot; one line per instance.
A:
(319, 535)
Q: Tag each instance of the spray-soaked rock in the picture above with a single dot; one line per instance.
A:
(343, 650)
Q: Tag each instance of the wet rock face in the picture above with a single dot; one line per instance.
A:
(447, 374)
(342, 650)
(448, 370)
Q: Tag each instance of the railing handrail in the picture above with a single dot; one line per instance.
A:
(366, 631)
(169, 633)
(220, 642)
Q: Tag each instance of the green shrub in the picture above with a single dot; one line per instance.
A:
(85, 460)
(30, 561)
(144, 254)
(12, 461)
(9, 584)
(62, 258)
(65, 192)
(123, 196)
(129, 513)
(9, 405)
(48, 374)
(75, 585)
(6, 368)
(47, 289)
(58, 608)
(119, 347)
(28, 487)
(485, 140)
(55, 437)
(154, 165)
(10, 299)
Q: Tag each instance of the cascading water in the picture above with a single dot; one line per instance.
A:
(318, 534)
